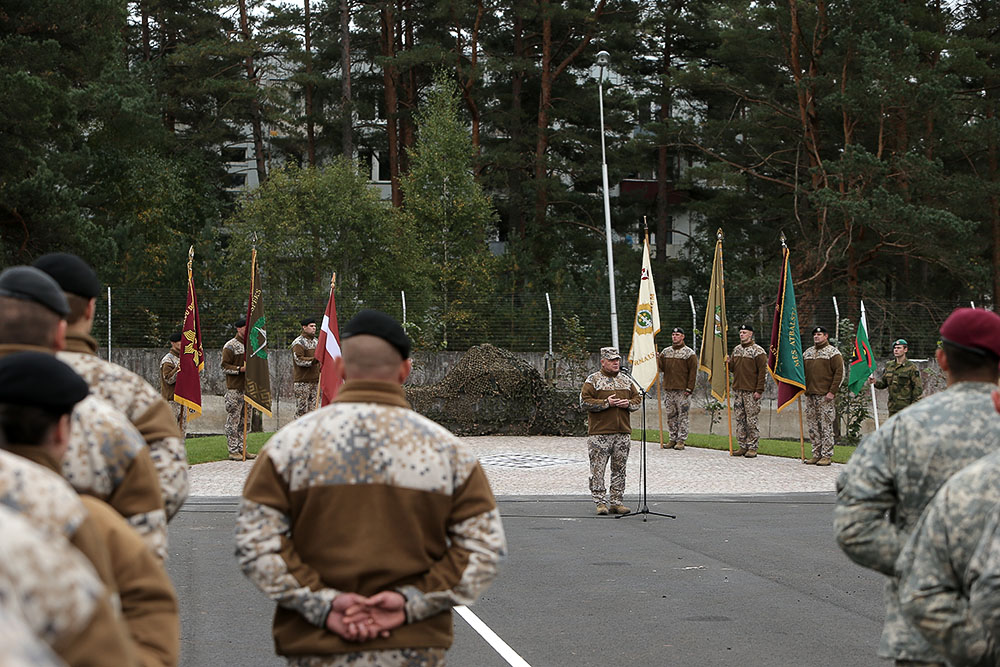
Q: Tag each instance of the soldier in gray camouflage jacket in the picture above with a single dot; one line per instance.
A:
(896, 470)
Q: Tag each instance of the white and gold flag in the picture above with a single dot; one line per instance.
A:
(642, 354)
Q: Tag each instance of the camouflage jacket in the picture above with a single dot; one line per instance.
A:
(58, 595)
(306, 368)
(144, 407)
(949, 581)
(601, 417)
(430, 530)
(170, 364)
(233, 361)
(21, 648)
(903, 382)
(893, 475)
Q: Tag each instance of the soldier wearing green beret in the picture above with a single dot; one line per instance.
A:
(902, 378)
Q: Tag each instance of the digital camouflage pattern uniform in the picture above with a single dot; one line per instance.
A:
(749, 366)
(305, 374)
(233, 356)
(56, 593)
(893, 475)
(425, 657)
(170, 365)
(948, 576)
(430, 528)
(144, 407)
(679, 365)
(19, 647)
(824, 369)
(904, 384)
(610, 432)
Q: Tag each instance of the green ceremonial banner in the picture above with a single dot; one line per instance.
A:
(714, 347)
(862, 362)
(257, 392)
(784, 358)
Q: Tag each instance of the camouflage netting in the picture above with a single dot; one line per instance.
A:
(492, 392)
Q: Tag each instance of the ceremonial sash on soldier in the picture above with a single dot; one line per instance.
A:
(187, 390)
(714, 347)
(862, 362)
(642, 354)
(328, 349)
(784, 357)
(257, 391)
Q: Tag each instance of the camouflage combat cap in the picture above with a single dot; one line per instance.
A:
(610, 353)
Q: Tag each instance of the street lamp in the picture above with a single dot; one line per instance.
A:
(603, 58)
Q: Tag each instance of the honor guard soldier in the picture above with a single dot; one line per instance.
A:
(431, 538)
(305, 371)
(234, 365)
(170, 364)
(824, 367)
(902, 378)
(679, 365)
(896, 470)
(128, 392)
(748, 363)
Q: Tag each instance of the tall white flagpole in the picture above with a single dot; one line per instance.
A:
(871, 385)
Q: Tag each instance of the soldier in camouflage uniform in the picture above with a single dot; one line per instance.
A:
(609, 397)
(431, 537)
(748, 363)
(896, 470)
(305, 372)
(824, 367)
(679, 365)
(170, 364)
(902, 378)
(128, 392)
(234, 366)
(107, 456)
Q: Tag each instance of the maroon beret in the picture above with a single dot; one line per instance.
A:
(973, 328)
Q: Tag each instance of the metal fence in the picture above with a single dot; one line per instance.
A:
(521, 321)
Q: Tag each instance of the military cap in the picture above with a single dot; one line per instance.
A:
(37, 379)
(242, 322)
(376, 323)
(973, 329)
(72, 273)
(746, 327)
(820, 330)
(610, 353)
(677, 330)
(306, 321)
(27, 283)
(900, 341)
(175, 337)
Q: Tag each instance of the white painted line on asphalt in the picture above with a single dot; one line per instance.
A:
(499, 645)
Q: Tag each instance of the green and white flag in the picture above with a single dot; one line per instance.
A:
(862, 361)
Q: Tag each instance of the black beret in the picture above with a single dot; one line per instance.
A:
(39, 380)
(175, 337)
(306, 321)
(30, 284)
(746, 327)
(377, 323)
(72, 273)
(677, 330)
(819, 330)
(242, 322)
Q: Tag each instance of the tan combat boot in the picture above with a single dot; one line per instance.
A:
(825, 461)
(739, 452)
(602, 509)
(751, 454)
(618, 508)
(678, 446)
(666, 445)
(812, 461)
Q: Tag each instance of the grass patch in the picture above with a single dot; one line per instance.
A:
(214, 448)
(784, 448)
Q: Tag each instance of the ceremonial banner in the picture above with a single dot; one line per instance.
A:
(257, 392)
(784, 358)
(714, 346)
(642, 354)
(328, 349)
(862, 361)
(187, 390)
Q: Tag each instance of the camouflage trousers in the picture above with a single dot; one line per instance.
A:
(678, 404)
(181, 415)
(235, 418)
(746, 410)
(819, 416)
(613, 446)
(407, 657)
(305, 397)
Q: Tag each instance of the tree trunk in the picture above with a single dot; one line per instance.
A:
(407, 125)
(310, 123)
(516, 175)
(144, 18)
(255, 114)
(389, 77)
(346, 106)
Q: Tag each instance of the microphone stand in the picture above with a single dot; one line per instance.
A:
(644, 510)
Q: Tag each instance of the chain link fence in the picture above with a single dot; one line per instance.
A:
(519, 321)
